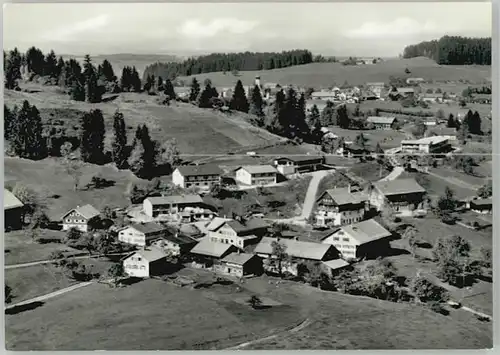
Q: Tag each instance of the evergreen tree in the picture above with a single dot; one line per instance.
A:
(451, 121)
(26, 133)
(136, 80)
(473, 122)
(12, 69)
(51, 65)
(328, 116)
(119, 145)
(195, 90)
(35, 61)
(314, 122)
(77, 90)
(256, 102)
(142, 160)
(125, 81)
(8, 122)
(239, 101)
(206, 96)
(92, 137)
(60, 70)
(343, 119)
(169, 90)
(160, 84)
(303, 130)
(107, 71)
(275, 124)
(88, 67)
(93, 91)
(136, 160)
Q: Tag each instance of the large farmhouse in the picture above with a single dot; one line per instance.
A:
(382, 122)
(145, 262)
(202, 177)
(178, 207)
(238, 233)
(141, 233)
(404, 196)
(340, 206)
(83, 218)
(13, 211)
(298, 164)
(256, 174)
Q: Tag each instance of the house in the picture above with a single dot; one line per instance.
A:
(432, 98)
(13, 211)
(256, 174)
(145, 262)
(382, 122)
(481, 99)
(447, 132)
(178, 207)
(404, 196)
(428, 145)
(207, 253)
(298, 164)
(323, 95)
(175, 244)
(340, 206)
(430, 122)
(202, 177)
(297, 251)
(83, 218)
(240, 265)
(239, 233)
(375, 88)
(141, 233)
(334, 266)
(482, 205)
(363, 239)
(410, 81)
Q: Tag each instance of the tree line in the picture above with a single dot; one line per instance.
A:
(453, 50)
(227, 62)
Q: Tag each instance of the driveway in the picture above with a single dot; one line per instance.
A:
(394, 174)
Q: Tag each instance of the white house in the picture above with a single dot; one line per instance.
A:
(175, 245)
(256, 174)
(145, 262)
(434, 144)
(202, 177)
(141, 233)
(237, 233)
(362, 239)
(83, 218)
(340, 206)
(172, 205)
(376, 88)
(382, 122)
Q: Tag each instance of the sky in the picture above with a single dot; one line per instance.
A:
(342, 29)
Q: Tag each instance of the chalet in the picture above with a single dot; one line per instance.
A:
(375, 88)
(13, 211)
(428, 145)
(239, 233)
(178, 207)
(256, 174)
(324, 95)
(207, 253)
(382, 122)
(175, 244)
(298, 164)
(411, 81)
(404, 196)
(83, 218)
(482, 205)
(340, 206)
(354, 150)
(145, 262)
(481, 99)
(202, 177)
(297, 251)
(240, 265)
(359, 240)
(141, 233)
(400, 93)
(447, 132)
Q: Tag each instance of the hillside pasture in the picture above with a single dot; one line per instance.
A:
(324, 75)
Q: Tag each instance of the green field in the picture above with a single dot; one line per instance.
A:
(324, 75)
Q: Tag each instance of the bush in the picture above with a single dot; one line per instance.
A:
(438, 308)
(55, 255)
(43, 240)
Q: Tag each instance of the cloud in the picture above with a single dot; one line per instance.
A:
(69, 32)
(196, 29)
(401, 27)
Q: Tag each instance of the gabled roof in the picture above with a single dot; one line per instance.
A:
(150, 253)
(10, 201)
(247, 226)
(179, 239)
(426, 140)
(258, 169)
(238, 258)
(294, 248)
(301, 158)
(336, 264)
(209, 248)
(366, 231)
(482, 202)
(405, 90)
(194, 170)
(216, 223)
(381, 119)
(398, 187)
(342, 196)
(86, 211)
(165, 200)
(146, 228)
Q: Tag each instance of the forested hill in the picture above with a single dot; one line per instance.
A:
(453, 50)
(228, 62)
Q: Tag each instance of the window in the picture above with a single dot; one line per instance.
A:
(336, 238)
(139, 258)
(345, 239)
(143, 267)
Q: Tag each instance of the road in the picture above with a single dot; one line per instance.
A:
(50, 295)
(42, 262)
(394, 174)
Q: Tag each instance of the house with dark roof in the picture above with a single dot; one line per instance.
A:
(83, 218)
(404, 196)
(340, 206)
(13, 211)
(239, 233)
(481, 205)
(175, 244)
(298, 252)
(202, 177)
(256, 174)
(363, 239)
(481, 99)
(240, 265)
(375, 88)
(146, 262)
(382, 122)
(187, 208)
(142, 234)
(295, 164)
(207, 253)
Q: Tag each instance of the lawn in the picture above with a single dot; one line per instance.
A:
(48, 178)
(150, 315)
(369, 170)
(386, 138)
(20, 248)
(436, 186)
(332, 181)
